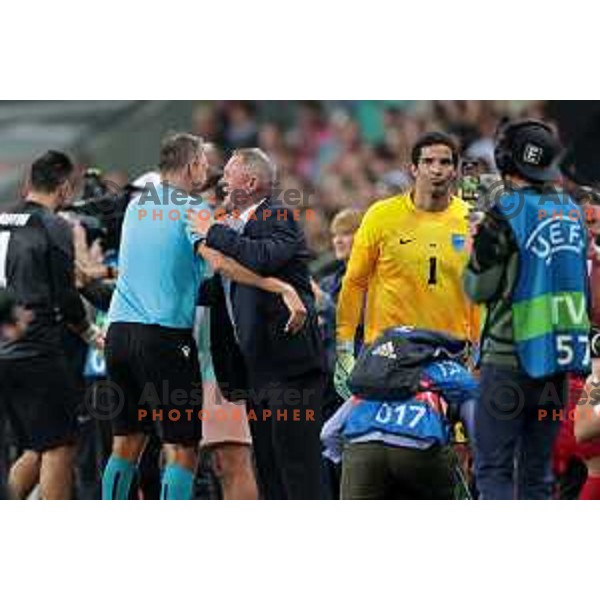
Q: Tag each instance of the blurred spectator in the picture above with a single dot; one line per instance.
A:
(343, 227)
(241, 129)
(208, 123)
(310, 137)
(316, 233)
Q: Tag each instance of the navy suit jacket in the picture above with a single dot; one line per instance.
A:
(272, 244)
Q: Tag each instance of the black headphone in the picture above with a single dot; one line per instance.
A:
(504, 150)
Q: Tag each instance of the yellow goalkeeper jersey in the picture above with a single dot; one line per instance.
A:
(409, 263)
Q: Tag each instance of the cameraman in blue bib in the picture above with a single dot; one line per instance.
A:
(528, 266)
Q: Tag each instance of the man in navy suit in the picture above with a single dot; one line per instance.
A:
(285, 372)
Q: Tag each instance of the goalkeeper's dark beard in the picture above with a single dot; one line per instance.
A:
(440, 191)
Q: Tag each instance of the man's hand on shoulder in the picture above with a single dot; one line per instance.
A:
(199, 222)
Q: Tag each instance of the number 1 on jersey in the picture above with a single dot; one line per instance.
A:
(4, 239)
(432, 271)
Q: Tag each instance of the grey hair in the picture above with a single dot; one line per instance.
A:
(259, 164)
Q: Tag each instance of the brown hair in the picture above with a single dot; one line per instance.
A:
(178, 150)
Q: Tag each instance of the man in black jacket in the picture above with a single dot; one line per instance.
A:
(286, 373)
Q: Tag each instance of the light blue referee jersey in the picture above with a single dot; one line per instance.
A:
(159, 272)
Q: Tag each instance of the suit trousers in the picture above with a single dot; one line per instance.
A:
(285, 421)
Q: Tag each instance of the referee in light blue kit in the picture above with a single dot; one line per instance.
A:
(149, 340)
(151, 356)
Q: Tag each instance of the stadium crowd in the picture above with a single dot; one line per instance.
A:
(349, 154)
(384, 231)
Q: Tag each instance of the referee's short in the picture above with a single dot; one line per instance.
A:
(155, 372)
(40, 399)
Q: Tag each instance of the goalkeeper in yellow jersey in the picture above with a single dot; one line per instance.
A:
(408, 258)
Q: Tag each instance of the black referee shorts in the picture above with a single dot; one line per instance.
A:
(40, 399)
(156, 373)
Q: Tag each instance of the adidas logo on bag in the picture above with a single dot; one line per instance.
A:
(386, 350)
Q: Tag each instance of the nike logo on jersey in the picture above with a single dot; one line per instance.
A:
(403, 241)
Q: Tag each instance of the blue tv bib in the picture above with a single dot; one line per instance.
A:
(413, 418)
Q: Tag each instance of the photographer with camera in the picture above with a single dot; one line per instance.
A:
(94, 279)
(528, 265)
(36, 389)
